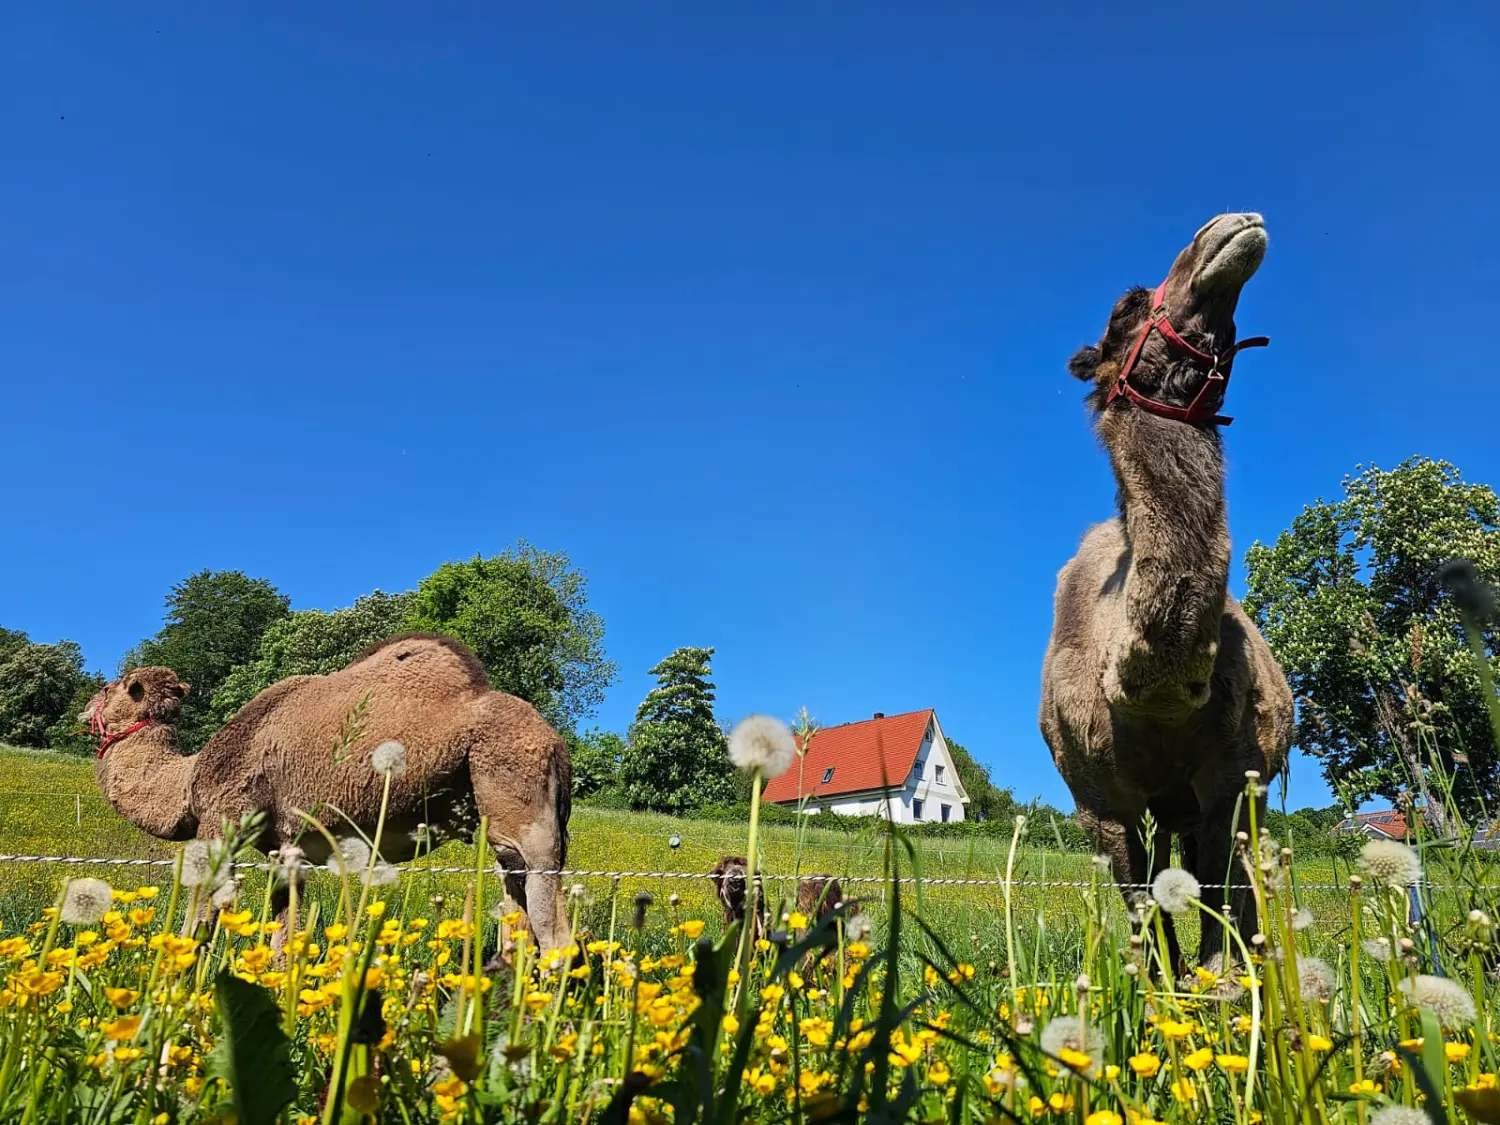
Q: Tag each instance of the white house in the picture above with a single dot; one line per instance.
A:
(895, 766)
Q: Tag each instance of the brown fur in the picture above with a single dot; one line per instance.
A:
(1158, 692)
(470, 751)
(729, 879)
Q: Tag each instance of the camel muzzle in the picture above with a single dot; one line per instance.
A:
(1230, 250)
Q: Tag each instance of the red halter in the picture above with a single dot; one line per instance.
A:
(1199, 410)
(96, 726)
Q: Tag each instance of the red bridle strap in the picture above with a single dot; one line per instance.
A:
(108, 740)
(1219, 366)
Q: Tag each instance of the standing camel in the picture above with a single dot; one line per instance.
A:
(1158, 692)
(307, 743)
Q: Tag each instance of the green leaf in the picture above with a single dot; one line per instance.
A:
(253, 1055)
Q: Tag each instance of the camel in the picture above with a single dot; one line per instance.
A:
(818, 896)
(303, 744)
(1158, 692)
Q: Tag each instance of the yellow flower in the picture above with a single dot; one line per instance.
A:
(1183, 1090)
(902, 1052)
(128, 1054)
(450, 1088)
(762, 1082)
(930, 976)
(375, 910)
(1234, 1064)
(1145, 1065)
(1111, 1072)
(147, 892)
(1318, 1043)
(1103, 1117)
(122, 997)
(1199, 1058)
(962, 971)
(692, 929)
(1175, 1029)
(857, 950)
(797, 920)
(142, 917)
(938, 1073)
(1364, 1086)
(451, 928)
(337, 932)
(123, 1028)
(563, 1049)
(14, 948)
(1077, 1060)
(1456, 1052)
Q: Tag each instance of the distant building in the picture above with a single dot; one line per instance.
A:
(1385, 824)
(896, 766)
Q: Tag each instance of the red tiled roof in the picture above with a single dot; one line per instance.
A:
(854, 752)
(1391, 821)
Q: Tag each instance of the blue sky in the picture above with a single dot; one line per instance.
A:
(759, 313)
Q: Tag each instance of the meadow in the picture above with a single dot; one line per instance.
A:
(1019, 996)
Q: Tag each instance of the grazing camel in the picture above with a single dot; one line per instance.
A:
(729, 880)
(469, 751)
(1158, 692)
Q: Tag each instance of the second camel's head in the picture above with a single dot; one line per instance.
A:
(1199, 298)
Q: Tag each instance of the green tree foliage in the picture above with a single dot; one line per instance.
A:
(596, 761)
(311, 642)
(1349, 598)
(525, 614)
(38, 684)
(986, 801)
(677, 757)
(214, 623)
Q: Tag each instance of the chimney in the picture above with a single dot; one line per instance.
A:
(880, 714)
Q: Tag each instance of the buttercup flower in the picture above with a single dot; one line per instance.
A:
(1175, 889)
(1069, 1036)
(762, 745)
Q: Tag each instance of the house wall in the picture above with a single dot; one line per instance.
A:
(925, 786)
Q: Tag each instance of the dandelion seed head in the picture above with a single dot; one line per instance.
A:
(1302, 918)
(225, 894)
(389, 758)
(203, 864)
(859, 927)
(1070, 1033)
(1400, 1115)
(1390, 863)
(381, 875)
(353, 854)
(287, 864)
(1448, 1000)
(1175, 889)
(1378, 949)
(1315, 978)
(86, 902)
(763, 746)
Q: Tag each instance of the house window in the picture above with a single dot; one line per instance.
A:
(828, 774)
(947, 810)
(939, 772)
(916, 809)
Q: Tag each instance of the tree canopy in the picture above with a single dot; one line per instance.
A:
(312, 642)
(42, 687)
(1351, 600)
(677, 757)
(215, 620)
(525, 614)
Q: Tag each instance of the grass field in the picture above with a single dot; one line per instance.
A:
(948, 1006)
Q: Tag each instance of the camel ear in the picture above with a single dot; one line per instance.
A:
(182, 689)
(1085, 363)
(135, 689)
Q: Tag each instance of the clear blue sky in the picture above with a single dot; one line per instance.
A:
(760, 313)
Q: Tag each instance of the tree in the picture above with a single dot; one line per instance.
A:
(525, 614)
(214, 622)
(986, 801)
(311, 642)
(676, 757)
(596, 761)
(1350, 599)
(38, 683)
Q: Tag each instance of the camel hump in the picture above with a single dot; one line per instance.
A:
(424, 662)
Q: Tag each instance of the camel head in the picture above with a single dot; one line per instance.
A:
(1168, 350)
(143, 695)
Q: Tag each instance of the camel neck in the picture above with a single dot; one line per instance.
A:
(1171, 495)
(149, 783)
